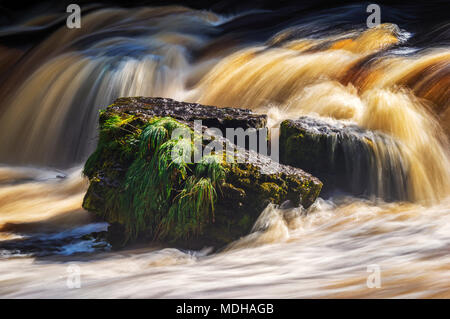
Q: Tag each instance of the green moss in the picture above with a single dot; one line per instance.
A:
(273, 191)
(160, 195)
(117, 143)
(301, 149)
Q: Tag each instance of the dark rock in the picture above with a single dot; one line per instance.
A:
(210, 116)
(246, 188)
(346, 157)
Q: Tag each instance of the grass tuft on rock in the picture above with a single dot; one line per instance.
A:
(163, 194)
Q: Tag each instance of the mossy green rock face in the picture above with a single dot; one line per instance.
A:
(146, 195)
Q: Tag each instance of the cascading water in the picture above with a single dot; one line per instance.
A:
(348, 158)
(94, 66)
(308, 81)
(51, 95)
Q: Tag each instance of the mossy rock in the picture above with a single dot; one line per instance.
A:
(146, 195)
(211, 116)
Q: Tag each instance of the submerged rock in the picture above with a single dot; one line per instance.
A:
(346, 157)
(145, 193)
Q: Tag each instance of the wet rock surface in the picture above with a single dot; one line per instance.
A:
(249, 184)
(345, 157)
(80, 240)
(210, 116)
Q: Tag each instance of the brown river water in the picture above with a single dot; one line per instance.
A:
(370, 77)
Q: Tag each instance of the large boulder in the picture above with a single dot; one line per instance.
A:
(145, 193)
(346, 157)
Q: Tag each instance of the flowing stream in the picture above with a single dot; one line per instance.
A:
(326, 64)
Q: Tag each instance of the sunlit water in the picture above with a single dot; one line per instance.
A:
(367, 77)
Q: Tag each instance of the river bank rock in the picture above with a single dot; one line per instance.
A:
(145, 193)
(346, 157)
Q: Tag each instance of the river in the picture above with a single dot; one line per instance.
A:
(326, 64)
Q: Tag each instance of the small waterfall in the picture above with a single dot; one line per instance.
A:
(348, 158)
(70, 90)
(356, 75)
(312, 79)
(50, 117)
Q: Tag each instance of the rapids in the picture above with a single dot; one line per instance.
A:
(383, 79)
